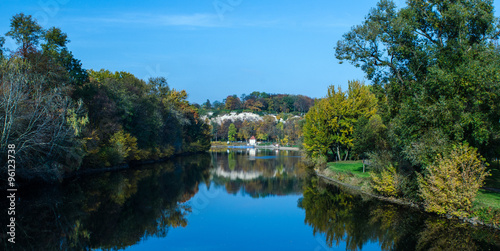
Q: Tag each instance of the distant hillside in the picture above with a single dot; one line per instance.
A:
(260, 102)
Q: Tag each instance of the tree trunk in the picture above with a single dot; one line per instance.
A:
(363, 165)
(338, 153)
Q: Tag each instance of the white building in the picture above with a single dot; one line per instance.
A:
(252, 141)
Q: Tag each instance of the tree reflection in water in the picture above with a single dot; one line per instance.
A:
(111, 210)
(345, 216)
(258, 173)
(115, 210)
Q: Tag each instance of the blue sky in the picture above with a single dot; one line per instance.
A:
(210, 48)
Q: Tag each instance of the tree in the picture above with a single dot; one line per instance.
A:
(231, 134)
(318, 138)
(436, 64)
(44, 125)
(233, 103)
(2, 42)
(207, 105)
(331, 124)
(247, 130)
(26, 32)
(369, 136)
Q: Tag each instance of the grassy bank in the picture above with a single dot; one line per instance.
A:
(486, 206)
(353, 167)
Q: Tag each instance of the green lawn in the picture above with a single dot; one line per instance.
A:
(355, 167)
(488, 199)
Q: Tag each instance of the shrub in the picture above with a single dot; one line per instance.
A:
(385, 182)
(407, 187)
(379, 160)
(320, 161)
(453, 181)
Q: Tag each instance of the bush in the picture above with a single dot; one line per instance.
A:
(453, 181)
(379, 160)
(320, 161)
(385, 182)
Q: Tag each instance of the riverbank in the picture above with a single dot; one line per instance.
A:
(271, 147)
(361, 185)
(23, 182)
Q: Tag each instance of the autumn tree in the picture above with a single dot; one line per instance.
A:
(233, 103)
(330, 125)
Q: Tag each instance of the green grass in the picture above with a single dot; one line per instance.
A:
(488, 199)
(487, 207)
(354, 167)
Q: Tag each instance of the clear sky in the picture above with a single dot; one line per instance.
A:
(210, 48)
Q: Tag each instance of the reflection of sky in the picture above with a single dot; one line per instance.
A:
(222, 221)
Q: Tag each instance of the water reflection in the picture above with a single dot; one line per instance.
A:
(343, 216)
(109, 211)
(258, 173)
(121, 209)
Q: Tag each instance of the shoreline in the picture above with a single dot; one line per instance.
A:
(472, 221)
(284, 148)
(91, 171)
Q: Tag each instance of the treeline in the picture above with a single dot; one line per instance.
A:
(60, 118)
(261, 102)
(284, 129)
(431, 114)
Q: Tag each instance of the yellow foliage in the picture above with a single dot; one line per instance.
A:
(125, 144)
(76, 120)
(453, 181)
(385, 182)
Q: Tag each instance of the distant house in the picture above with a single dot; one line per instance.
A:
(252, 141)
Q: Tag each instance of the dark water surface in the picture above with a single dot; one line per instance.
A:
(241, 199)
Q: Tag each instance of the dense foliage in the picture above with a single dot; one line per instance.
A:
(453, 181)
(435, 69)
(59, 115)
(330, 123)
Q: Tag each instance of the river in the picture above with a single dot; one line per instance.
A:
(238, 199)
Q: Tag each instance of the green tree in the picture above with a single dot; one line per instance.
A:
(26, 32)
(2, 42)
(436, 64)
(207, 105)
(318, 138)
(231, 135)
(369, 136)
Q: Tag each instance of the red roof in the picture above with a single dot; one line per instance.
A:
(252, 137)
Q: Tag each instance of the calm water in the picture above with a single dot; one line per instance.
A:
(227, 200)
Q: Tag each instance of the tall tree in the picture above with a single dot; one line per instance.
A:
(26, 32)
(231, 134)
(331, 124)
(2, 42)
(436, 64)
